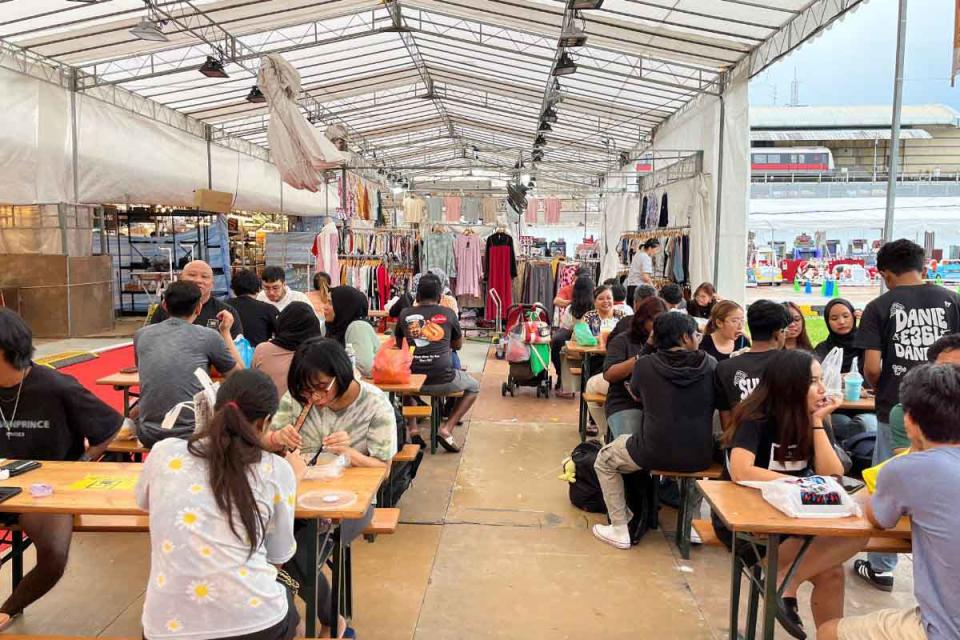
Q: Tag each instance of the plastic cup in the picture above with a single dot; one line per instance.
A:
(852, 390)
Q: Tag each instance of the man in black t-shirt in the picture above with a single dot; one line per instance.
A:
(199, 273)
(895, 332)
(435, 331)
(259, 319)
(45, 415)
(737, 377)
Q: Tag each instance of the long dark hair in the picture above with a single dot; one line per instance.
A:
(781, 399)
(582, 296)
(647, 310)
(803, 341)
(230, 444)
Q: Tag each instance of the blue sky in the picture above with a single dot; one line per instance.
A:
(852, 63)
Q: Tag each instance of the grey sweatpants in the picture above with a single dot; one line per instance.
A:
(612, 463)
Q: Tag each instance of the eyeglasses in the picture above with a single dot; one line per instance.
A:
(326, 389)
(796, 319)
(698, 336)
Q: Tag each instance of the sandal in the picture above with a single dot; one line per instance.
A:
(592, 431)
(566, 395)
(418, 440)
(13, 617)
(448, 443)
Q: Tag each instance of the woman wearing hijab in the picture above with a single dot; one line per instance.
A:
(841, 319)
(296, 324)
(346, 323)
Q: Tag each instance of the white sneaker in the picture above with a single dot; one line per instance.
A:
(615, 535)
(695, 537)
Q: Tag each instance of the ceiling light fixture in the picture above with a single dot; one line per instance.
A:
(213, 68)
(545, 127)
(540, 141)
(149, 28)
(550, 115)
(565, 65)
(537, 154)
(255, 95)
(573, 35)
(585, 4)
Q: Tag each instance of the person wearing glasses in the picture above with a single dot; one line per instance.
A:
(675, 388)
(347, 417)
(797, 330)
(275, 290)
(724, 333)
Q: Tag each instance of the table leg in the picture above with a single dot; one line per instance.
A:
(308, 591)
(434, 423)
(584, 414)
(336, 579)
(753, 602)
(770, 593)
(348, 583)
(17, 548)
(685, 516)
(734, 621)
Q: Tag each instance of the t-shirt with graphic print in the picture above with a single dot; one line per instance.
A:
(737, 377)
(762, 438)
(49, 417)
(430, 328)
(369, 420)
(203, 581)
(902, 324)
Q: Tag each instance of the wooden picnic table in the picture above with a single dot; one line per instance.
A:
(866, 404)
(107, 489)
(573, 346)
(754, 521)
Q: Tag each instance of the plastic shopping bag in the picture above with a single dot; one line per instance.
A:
(245, 349)
(811, 497)
(583, 335)
(517, 349)
(832, 365)
(539, 358)
(870, 475)
(392, 365)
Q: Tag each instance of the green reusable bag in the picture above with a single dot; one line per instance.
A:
(583, 335)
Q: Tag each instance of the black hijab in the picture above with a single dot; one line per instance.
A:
(845, 342)
(296, 323)
(349, 304)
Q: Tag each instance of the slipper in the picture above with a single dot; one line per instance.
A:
(566, 395)
(418, 440)
(6, 625)
(349, 632)
(448, 443)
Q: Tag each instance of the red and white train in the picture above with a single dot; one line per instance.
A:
(790, 160)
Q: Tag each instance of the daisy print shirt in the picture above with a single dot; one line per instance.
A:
(203, 581)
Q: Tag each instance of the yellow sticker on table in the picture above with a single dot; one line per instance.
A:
(105, 483)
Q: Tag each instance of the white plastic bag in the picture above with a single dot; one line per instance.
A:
(832, 365)
(811, 497)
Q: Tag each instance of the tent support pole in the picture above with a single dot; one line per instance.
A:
(895, 129)
(209, 135)
(716, 222)
(74, 139)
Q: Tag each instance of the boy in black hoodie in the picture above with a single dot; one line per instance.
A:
(675, 387)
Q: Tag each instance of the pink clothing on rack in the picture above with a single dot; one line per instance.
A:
(325, 251)
(532, 205)
(452, 203)
(468, 249)
(551, 210)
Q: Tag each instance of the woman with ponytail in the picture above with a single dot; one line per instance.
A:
(221, 524)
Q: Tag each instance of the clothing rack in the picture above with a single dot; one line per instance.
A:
(659, 232)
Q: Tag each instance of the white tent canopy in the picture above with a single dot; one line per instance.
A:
(914, 215)
(428, 88)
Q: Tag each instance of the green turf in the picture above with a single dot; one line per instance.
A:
(816, 330)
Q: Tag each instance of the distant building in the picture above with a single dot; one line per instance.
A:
(858, 138)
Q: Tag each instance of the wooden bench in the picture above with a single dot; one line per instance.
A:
(407, 454)
(130, 447)
(417, 411)
(874, 545)
(688, 499)
(436, 416)
(576, 371)
(595, 398)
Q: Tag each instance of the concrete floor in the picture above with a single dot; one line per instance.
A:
(489, 547)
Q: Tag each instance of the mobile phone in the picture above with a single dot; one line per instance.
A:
(852, 485)
(17, 467)
(213, 323)
(8, 492)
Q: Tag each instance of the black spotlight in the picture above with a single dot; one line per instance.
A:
(256, 95)
(213, 68)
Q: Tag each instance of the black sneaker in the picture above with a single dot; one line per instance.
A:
(882, 580)
(788, 615)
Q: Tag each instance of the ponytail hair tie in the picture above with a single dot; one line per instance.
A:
(233, 404)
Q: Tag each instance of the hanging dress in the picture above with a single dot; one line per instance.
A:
(500, 265)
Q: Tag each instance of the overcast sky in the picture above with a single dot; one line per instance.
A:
(852, 62)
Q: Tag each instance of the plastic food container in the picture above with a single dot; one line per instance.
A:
(329, 466)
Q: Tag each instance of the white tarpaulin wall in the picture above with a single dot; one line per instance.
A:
(698, 127)
(123, 157)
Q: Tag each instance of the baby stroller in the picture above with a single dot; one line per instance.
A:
(528, 331)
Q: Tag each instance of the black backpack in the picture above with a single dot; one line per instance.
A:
(860, 448)
(585, 492)
(639, 489)
(641, 493)
(401, 475)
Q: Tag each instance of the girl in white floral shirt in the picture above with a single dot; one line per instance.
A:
(221, 523)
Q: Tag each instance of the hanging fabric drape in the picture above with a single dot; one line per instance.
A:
(500, 265)
(297, 148)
